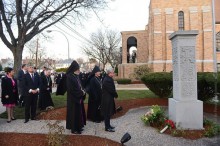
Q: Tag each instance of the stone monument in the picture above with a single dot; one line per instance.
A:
(184, 108)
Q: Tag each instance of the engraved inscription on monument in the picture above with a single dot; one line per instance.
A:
(187, 63)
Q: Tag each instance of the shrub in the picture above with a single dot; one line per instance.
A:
(55, 136)
(123, 81)
(0, 67)
(140, 71)
(213, 128)
(206, 85)
(159, 83)
(205, 91)
(212, 80)
(61, 70)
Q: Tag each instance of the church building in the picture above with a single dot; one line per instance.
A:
(152, 46)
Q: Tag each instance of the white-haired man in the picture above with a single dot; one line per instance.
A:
(108, 95)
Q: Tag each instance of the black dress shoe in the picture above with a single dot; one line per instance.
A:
(26, 121)
(112, 127)
(76, 132)
(33, 118)
(110, 130)
(97, 121)
(9, 121)
(13, 118)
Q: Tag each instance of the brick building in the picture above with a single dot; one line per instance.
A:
(153, 46)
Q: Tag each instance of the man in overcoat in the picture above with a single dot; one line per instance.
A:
(108, 102)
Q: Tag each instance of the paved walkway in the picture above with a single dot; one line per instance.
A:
(131, 87)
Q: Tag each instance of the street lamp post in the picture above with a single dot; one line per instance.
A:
(49, 31)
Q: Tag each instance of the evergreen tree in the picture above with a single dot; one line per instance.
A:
(0, 67)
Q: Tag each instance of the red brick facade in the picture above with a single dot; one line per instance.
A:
(153, 44)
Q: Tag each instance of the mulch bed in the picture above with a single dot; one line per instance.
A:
(60, 113)
(22, 139)
(15, 139)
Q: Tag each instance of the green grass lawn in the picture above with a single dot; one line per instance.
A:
(60, 101)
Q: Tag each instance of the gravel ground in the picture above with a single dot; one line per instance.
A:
(131, 123)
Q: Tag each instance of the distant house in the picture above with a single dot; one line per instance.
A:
(49, 63)
(63, 63)
(8, 62)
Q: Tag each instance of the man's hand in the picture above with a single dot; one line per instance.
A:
(34, 91)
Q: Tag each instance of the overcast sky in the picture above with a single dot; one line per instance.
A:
(123, 15)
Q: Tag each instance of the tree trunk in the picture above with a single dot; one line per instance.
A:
(17, 53)
(104, 66)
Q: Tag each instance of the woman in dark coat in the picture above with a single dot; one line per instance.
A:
(9, 93)
(76, 118)
(108, 102)
(95, 95)
(45, 99)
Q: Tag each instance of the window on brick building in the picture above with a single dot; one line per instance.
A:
(218, 67)
(218, 41)
(181, 20)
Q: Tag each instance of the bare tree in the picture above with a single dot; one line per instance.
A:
(104, 47)
(37, 52)
(21, 20)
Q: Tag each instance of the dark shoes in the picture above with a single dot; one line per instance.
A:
(109, 130)
(33, 118)
(76, 132)
(11, 120)
(26, 121)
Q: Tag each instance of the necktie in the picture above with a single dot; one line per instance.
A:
(32, 76)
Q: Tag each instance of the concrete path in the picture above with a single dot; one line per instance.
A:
(131, 87)
(2, 108)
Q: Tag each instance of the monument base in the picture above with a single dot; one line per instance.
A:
(186, 114)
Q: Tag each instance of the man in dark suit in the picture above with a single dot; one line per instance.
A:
(59, 77)
(42, 73)
(20, 87)
(107, 101)
(31, 84)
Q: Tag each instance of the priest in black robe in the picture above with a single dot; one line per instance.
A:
(45, 99)
(76, 118)
(95, 95)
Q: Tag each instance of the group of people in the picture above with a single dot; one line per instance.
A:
(33, 88)
(29, 89)
(101, 103)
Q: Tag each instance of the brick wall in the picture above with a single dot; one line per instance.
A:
(163, 21)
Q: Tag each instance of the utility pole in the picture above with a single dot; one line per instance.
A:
(36, 53)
